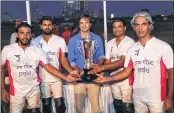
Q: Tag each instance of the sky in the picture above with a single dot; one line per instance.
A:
(118, 8)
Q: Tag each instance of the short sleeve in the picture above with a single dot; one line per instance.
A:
(108, 50)
(63, 46)
(128, 60)
(42, 58)
(4, 56)
(127, 47)
(167, 56)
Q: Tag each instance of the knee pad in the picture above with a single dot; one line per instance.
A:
(47, 105)
(34, 110)
(118, 106)
(128, 108)
(60, 105)
(2, 111)
(170, 110)
(5, 107)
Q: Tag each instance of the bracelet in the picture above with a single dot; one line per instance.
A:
(2, 88)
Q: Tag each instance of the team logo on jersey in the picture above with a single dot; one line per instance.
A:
(40, 44)
(116, 57)
(137, 52)
(18, 57)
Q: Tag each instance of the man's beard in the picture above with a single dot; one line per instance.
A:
(47, 32)
(24, 44)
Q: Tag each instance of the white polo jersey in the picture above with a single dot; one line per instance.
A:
(114, 52)
(55, 46)
(150, 63)
(22, 66)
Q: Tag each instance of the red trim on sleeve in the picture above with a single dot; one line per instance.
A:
(130, 64)
(163, 80)
(5, 63)
(131, 78)
(38, 77)
(11, 79)
(41, 63)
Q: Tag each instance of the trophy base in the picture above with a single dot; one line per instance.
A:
(88, 77)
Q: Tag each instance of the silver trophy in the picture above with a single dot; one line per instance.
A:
(88, 50)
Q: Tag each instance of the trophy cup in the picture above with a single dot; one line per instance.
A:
(88, 49)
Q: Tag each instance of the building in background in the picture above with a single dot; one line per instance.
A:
(36, 14)
(74, 8)
(101, 13)
(6, 17)
(146, 10)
